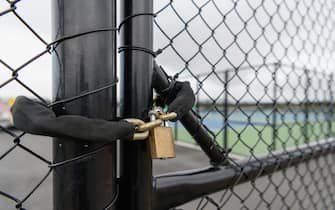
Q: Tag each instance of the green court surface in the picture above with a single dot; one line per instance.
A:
(260, 140)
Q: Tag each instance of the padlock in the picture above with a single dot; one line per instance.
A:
(162, 142)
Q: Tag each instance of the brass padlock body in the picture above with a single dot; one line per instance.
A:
(162, 143)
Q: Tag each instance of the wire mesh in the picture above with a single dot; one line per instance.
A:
(262, 72)
(21, 141)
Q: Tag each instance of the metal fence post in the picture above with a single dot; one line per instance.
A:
(83, 64)
(306, 107)
(136, 68)
(330, 117)
(226, 109)
(274, 115)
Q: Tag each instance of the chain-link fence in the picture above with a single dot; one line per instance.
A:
(262, 74)
(286, 99)
(21, 74)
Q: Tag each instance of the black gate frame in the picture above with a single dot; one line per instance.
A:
(138, 188)
(169, 190)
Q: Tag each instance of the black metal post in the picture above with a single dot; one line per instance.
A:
(178, 188)
(330, 116)
(136, 98)
(83, 64)
(275, 109)
(307, 104)
(226, 107)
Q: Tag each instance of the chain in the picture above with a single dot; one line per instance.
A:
(142, 128)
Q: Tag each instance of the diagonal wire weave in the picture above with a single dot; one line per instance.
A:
(18, 138)
(262, 72)
(49, 48)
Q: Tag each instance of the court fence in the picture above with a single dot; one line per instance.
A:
(262, 75)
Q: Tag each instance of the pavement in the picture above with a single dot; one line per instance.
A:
(20, 172)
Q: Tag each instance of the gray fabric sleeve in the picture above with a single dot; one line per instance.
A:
(35, 118)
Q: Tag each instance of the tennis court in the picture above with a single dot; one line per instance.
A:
(261, 131)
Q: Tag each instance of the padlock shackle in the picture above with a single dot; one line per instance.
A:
(167, 116)
(140, 135)
(149, 125)
(142, 128)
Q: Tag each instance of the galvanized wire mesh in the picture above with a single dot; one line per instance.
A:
(10, 78)
(263, 75)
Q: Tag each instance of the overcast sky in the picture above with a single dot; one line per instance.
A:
(298, 32)
(18, 45)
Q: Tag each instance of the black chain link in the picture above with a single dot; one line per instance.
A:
(262, 74)
(49, 48)
(18, 139)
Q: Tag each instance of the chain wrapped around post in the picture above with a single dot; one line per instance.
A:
(142, 128)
